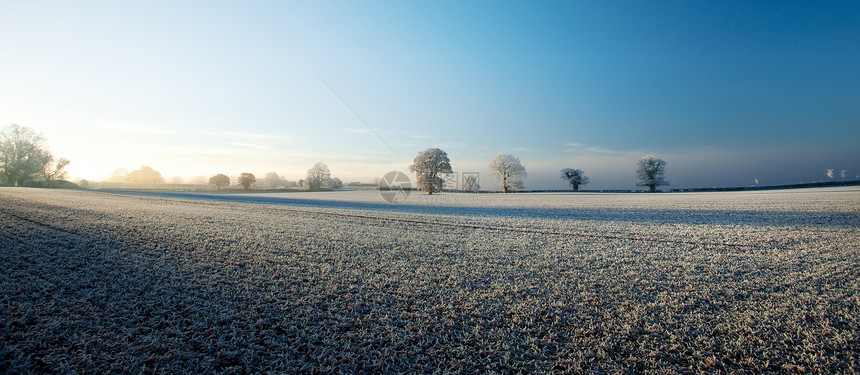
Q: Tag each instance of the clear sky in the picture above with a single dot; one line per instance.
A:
(726, 92)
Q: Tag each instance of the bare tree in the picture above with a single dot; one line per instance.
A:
(23, 155)
(318, 176)
(574, 177)
(830, 174)
(219, 180)
(843, 174)
(54, 172)
(508, 170)
(145, 176)
(246, 180)
(335, 183)
(650, 172)
(427, 166)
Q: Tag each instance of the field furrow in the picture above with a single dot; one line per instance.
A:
(97, 282)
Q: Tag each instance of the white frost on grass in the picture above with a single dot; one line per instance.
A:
(838, 199)
(98, 282)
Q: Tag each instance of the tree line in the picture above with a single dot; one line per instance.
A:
(429, 164)
(25, 160)
(318, 178)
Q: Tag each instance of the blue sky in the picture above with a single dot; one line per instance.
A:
(725, 92)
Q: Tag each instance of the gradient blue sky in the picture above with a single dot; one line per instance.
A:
(726, 92)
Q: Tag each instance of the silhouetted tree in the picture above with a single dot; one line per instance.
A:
(246, 180)
(574, 177)
(428, 164)
(650, 172)
(318, 176)
(219, 180)
(23, 155)
(55, 172)
(145, 176)
(508, 170)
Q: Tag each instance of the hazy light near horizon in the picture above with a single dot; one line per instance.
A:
(723, 92)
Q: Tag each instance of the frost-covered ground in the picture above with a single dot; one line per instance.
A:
(171, 283)
(837, 199)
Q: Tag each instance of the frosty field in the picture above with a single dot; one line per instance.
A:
(343, 281)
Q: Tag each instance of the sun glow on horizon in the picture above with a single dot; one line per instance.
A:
(196, 90)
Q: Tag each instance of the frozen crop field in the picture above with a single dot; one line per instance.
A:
(343, 281)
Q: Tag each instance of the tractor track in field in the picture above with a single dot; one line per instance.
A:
(433, 225)
(531, 230)
(343, 213)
